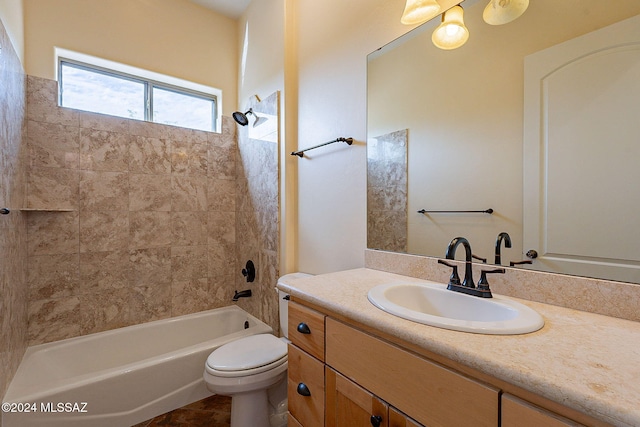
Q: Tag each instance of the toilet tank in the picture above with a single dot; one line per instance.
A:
(283, 299)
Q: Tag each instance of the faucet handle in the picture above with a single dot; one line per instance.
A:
(454, 279)
(479, 258)
(483, 284)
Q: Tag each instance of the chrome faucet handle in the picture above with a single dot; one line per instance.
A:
(454, 279)
(483, 284)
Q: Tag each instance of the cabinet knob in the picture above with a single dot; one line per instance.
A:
(376, 420)
(303, 390)
(303, 328)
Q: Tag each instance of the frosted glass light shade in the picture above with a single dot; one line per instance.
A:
(417, 11)
(499, 12)
(451, 33)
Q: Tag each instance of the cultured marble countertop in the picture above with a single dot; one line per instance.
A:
(585, 361)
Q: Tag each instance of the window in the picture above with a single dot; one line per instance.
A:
(92, 88)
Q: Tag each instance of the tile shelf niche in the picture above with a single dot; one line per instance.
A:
(45, 210)
(7, 211)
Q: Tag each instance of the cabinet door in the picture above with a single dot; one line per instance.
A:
(518, 413)
(292, 422)
(349, 405)
(305, 388)
(430, 393)
(398, 419)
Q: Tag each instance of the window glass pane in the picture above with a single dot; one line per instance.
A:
(181, 109)
(101, 93)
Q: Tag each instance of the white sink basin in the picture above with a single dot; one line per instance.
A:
(432, 304)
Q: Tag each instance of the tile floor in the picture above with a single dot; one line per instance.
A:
(214, 411)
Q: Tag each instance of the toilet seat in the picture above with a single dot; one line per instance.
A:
(247, 356)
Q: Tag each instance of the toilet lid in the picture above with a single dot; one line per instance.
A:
(247, 353)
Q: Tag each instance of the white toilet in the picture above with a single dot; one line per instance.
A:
(253, 372)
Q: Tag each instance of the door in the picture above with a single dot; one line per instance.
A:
(580, 143)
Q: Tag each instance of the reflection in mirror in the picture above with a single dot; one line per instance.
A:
(464, 112)
(387, 191)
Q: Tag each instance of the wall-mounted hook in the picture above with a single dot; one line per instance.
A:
(249, 271)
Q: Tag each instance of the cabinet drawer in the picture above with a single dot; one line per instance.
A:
(430, 393)
(306, 329)
(518, 413)
(306, 371)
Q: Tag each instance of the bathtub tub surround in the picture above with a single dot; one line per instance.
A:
(150, 230)
(13, 227)
(127, 375)
(580, 365)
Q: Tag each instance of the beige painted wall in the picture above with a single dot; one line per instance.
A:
(334, 39)
(263, 70)
(173, 37)
(11, 15)
(321, 50)
(263, 61)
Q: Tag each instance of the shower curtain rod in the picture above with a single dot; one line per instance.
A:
(300, 153)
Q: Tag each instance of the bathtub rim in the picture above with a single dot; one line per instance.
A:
(24, 393)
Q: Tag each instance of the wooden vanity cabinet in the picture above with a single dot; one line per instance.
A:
(349, 405)
(305, 379)
(519, 413)
(398, 419)
(306, 329)
(340, 376)
(428, 392)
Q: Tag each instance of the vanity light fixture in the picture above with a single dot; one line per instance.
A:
(418, 11)
(500, 12)
(451, 33)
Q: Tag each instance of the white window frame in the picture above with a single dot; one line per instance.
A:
(149, 78)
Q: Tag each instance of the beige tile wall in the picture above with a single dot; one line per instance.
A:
(258, 228)
(13, 230)
(152, 228)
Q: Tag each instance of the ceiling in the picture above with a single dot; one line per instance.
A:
(230, 8)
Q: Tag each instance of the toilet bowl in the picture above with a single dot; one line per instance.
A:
(253, 371)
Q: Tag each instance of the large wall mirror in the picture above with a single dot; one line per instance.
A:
(537, 120)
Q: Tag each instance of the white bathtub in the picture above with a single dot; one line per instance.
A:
(123, 376)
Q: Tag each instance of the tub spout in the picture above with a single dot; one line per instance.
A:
(242, 294)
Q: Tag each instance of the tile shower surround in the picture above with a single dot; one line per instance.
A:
(257, 214)
(151, 227)
(13, 229)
